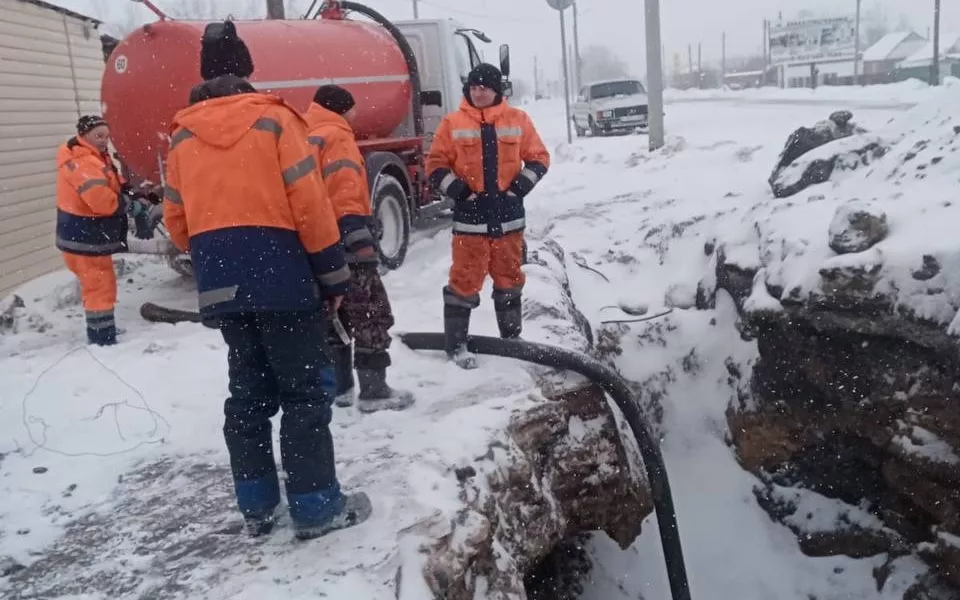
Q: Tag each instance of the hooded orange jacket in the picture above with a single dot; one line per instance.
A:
(244, 195)
(342, 168)
(487, 160)
(90, 216)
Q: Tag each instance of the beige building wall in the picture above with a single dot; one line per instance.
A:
(51, 63)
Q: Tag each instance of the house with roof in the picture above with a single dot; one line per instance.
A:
(918, 64)
(881, 59)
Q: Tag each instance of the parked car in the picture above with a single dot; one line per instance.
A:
(612, 106)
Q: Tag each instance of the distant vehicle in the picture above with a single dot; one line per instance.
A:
(612, 106)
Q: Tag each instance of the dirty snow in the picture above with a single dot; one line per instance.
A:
(131, 493)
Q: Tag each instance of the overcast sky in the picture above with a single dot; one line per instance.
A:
(532, 28)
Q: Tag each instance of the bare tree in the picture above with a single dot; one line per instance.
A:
(599, 62)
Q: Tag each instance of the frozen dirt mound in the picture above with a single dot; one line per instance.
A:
(851, 290)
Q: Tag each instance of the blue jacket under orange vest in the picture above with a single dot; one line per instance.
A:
(243, 193)
(91, 220)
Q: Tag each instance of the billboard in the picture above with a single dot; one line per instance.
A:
(812, 40)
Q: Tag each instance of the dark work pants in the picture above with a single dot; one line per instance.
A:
(280, 360)
(366, 314)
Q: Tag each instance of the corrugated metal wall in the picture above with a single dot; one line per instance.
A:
(50, 69)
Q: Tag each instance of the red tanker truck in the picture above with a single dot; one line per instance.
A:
(405, 76)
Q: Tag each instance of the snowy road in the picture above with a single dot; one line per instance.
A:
(642, 221)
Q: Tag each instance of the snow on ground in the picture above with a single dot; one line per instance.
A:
(132, 433)
(893, 96)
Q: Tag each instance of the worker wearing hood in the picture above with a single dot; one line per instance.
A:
(487, 157)
(91, 222)
(243, 195)
(365, 311)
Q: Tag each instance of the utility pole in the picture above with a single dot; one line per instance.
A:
(700, 66)
(536, 79)
(275, 9)
(935, 68)
(654, 75)
(566, 75)
(416, 10)
(690, 60)
(723, 59)
(856, 48)
(577, 64)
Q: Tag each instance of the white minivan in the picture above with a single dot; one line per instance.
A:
(611, 106)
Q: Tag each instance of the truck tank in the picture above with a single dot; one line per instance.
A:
(150, 74)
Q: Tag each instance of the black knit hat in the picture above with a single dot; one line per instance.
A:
(88, 123)
(222, 52)
(334, 98)
(488, 76)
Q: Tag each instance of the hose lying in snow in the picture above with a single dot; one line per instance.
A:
(613, 384)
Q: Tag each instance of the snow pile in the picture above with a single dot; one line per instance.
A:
(912, 91)
(910, 191)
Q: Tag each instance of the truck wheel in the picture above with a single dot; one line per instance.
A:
(391, 221)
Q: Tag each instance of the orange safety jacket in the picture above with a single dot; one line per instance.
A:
(342, 168)
(244, 195)
(91, 219)
(487, 160)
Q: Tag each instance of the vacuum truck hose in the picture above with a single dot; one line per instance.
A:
(613, 384)
(408, 55)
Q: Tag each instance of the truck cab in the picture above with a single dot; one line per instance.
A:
(446, 51)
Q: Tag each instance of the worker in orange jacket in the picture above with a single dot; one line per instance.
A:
(91, 222)
(243, 195)
(487, 157)
(366, 311)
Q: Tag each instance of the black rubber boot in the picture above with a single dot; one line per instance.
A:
(343, 365)
(456, 326)
(376, 394)
(509, 318)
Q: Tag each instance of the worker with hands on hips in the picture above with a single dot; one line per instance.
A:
(487, 157)
(365, 312)
(244, 196)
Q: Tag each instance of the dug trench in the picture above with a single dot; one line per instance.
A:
(852, 401)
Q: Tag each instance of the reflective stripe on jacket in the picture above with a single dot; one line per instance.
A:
(244, 195)
(487, 160)
(90, 216)
(344, 174)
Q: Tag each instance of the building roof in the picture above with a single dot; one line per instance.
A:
(893, 46)
(62, 10)
(949, 44)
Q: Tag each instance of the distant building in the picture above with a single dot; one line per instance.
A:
(917, 65)
(881, 59)
(814, 51)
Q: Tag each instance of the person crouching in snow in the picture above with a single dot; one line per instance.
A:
(365, 311)
(91, 222)
(243, 195)
(486, 156)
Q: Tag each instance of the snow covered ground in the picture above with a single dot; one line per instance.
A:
(128, 438)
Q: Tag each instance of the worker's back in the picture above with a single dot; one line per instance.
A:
(243, 193)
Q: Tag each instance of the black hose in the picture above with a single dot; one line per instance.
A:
(613, 384)
(408, 55)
